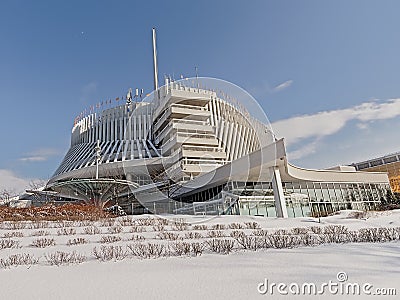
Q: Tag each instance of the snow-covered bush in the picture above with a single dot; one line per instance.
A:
(18, 260)
(59, 258)
(106, 253)
(252, 225)
(66, 231)
(110, 239)
(91, 230)
(115, 229)
(13, 234)
(43, 242)
(235, 226)
(223, 246)
(40, 233)
(9, 243)
(77, 241)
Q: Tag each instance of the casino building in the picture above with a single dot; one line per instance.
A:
(198, 146)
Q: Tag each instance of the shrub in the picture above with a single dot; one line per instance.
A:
(218, 227)
(110, 239)
(43, 242)
(13, 234)
(223, 246)
(77, 241)
(180, 225)
(8, 244)
(215, 234)
(316, 229)
(91, 230)
(235, 226)
(200, 227)
(136, 237)
(59, 258)
(279, 241)
(193, 235)
(252, 225)
(299, 230)
(181, 248)
(260, 232)
(18, 260)
(39, 224)
(40, 233)
(149, 250)
(167, 236)
(115, 229)
(107, 222)
(126, 221)
(137, 229)
(66, 231)
(106, 253)
(158, 227)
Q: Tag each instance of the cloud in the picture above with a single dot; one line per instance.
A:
(11, 182)
(304, 150)
(42, 154)
(282, 86)
(327, 123)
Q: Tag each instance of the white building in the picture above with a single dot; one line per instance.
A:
(188, 148)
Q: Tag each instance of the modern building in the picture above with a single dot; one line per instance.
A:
(389, 163)
(193, 147)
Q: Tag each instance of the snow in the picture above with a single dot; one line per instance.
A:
(210, 276)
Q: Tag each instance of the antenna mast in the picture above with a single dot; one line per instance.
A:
(155, 61)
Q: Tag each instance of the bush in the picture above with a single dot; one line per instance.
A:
(137, 229)
(235, 226)
(23, 259)
(223, 246)
(200, 227)
(43, 242)
(59, 258)
(215, 234)
(40, 233)
(280, 241)
(115, 229)
(193, 235)
(39, 225)
(180, 225)
(136, 237)
(9, 243)
(110, 239)
(66, 231)
(168, 236)
(106, 253)
(77, 241)
(91, 230)
(149, 250)
(13, 234)
(252, 225)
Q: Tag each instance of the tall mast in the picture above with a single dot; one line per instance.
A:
(155, 61)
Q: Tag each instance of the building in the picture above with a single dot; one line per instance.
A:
(199, 146)
(389, 163)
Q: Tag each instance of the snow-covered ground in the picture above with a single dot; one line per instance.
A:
(210, 276)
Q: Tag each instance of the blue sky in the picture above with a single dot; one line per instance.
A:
(306, 62)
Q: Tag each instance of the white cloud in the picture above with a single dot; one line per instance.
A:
(304, 150)
(42, 154)
(329, 122)
(11, 182)
(282, 86)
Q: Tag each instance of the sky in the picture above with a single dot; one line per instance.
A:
(325, 72)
